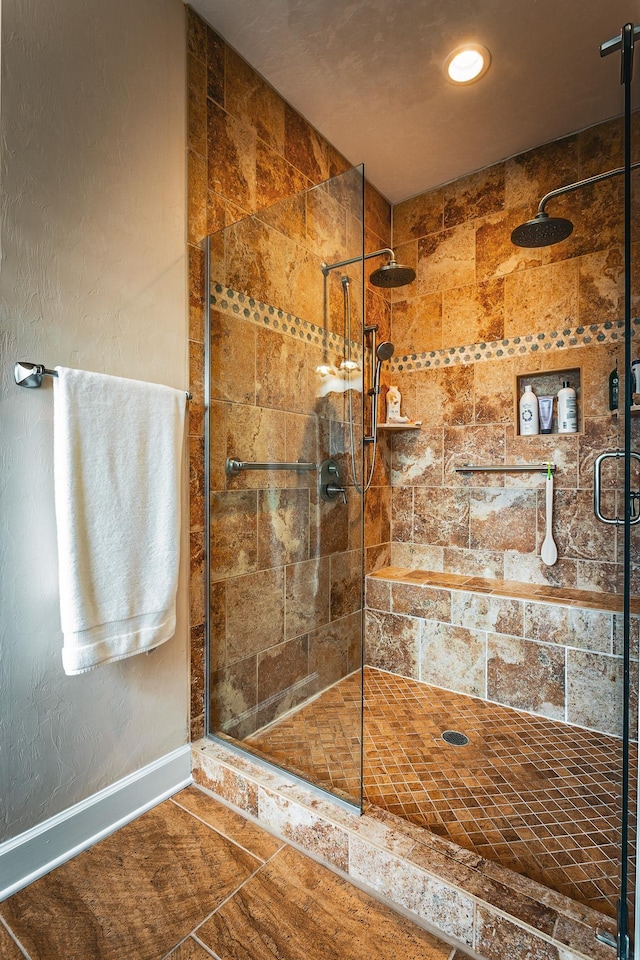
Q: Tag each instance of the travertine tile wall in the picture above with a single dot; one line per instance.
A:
(248, 150)
(474, 286)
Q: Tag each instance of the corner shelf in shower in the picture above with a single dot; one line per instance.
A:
(399, 426)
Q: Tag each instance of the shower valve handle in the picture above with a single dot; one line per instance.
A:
(333, 490)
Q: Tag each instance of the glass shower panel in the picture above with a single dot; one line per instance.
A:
(285, 563)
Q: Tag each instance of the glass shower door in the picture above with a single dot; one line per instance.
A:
(284, 560)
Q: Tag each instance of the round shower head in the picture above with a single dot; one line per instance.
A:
(385, 350)
(392, 274)
(542, 231)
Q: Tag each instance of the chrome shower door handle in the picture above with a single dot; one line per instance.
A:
(597, 483)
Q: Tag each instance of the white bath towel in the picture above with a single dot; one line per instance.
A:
(117, 466)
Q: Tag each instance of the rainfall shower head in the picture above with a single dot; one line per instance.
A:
(542, 231)
(384, 351)
(392, 274)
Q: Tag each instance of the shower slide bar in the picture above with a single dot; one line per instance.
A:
(508, 468)
(27, 374)
(235, 467)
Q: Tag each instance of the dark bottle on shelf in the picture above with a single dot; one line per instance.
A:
(614, 388)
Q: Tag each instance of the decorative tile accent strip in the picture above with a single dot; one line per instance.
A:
(426, 876)
(263, 314)
(532, 343)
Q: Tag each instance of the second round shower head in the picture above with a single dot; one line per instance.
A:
(384, 350)
(392, 274)
(542, 231)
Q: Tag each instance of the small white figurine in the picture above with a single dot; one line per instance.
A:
(394, 400)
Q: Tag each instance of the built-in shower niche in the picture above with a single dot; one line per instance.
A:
(285, 567)
(546, 383)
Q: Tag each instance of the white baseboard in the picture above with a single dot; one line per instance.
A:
(37, 851)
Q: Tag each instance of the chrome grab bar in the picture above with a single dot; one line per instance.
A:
(235, 467)
(635, 496)
(508, 468)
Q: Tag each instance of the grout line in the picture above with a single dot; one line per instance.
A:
(224, 835)
(15, 939)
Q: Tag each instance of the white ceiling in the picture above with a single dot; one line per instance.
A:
(368, 74)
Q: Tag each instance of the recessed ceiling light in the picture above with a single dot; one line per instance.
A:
(467, 63)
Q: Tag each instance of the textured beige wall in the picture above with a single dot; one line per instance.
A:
(93, 275)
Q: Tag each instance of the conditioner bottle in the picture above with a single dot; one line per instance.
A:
(567, 409)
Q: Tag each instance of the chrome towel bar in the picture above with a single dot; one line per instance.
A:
(27, 374)
(237, 466)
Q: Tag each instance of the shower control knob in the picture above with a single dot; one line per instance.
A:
(333, 490)
(330, 482)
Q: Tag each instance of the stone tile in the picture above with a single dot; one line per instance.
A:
(325, 224)
(196, 386)
(446, 260)
(563, 451)
(416, 324)
(254, 261)
(230, 824)
(601, 286)
(192, 871)
(473, 563)
(377, 213)
(474, 313)
(255, 613)
(276, 178)
(256, 434)
(528, 568)
(475, 195)
(491, 519)
(291, 901)
(401, 513)
(218, 435)
(570, 626)
(224, 781)
(197, 194)
(234, 698)
(581, 535)
(233, 359)
(530, 175)
(417, 555)
(416, 458)
(443, 396)
(215, 66)
(420, 600)
(377, 516)
(392, 643)
(474, 444)
(541, 299)
(281, 373)
(594, 691)
(303, 295)
(618, 635)
(329, 532)
(251, 100)
(346, 583)
(378, 594)
(300, 825)
(284, 679)
(189, 949)
(196, 666)
(453, 657)
(307, 596)
(196, 293)
(288, 217)
(604, 577)
(196, 35)
(418, 217)
(497, 614)
(8, 948)
(442, 906)
(600, 434)
(196, 578)
(525, 675)
(234, 536)
(497, 937)
(496, 255)
(441, 516)
(335, 649)
(196, 479)
(231, 152)
(304, 147)
(283, 527)
(217, 623)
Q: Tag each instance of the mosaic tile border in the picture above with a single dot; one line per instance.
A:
(532, 343)
(471, 902)
(264, 314)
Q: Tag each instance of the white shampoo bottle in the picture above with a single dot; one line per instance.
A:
(567, 409)
(529, 417)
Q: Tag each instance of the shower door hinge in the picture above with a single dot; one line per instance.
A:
(609, 939)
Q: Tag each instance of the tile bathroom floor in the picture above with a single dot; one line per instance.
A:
(535, 795)
(190, 880)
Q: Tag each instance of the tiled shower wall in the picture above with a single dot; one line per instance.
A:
(478, 296)
(248, 149)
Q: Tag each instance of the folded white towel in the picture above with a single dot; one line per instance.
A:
(117, 466)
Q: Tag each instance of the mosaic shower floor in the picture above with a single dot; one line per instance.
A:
(536, 795)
